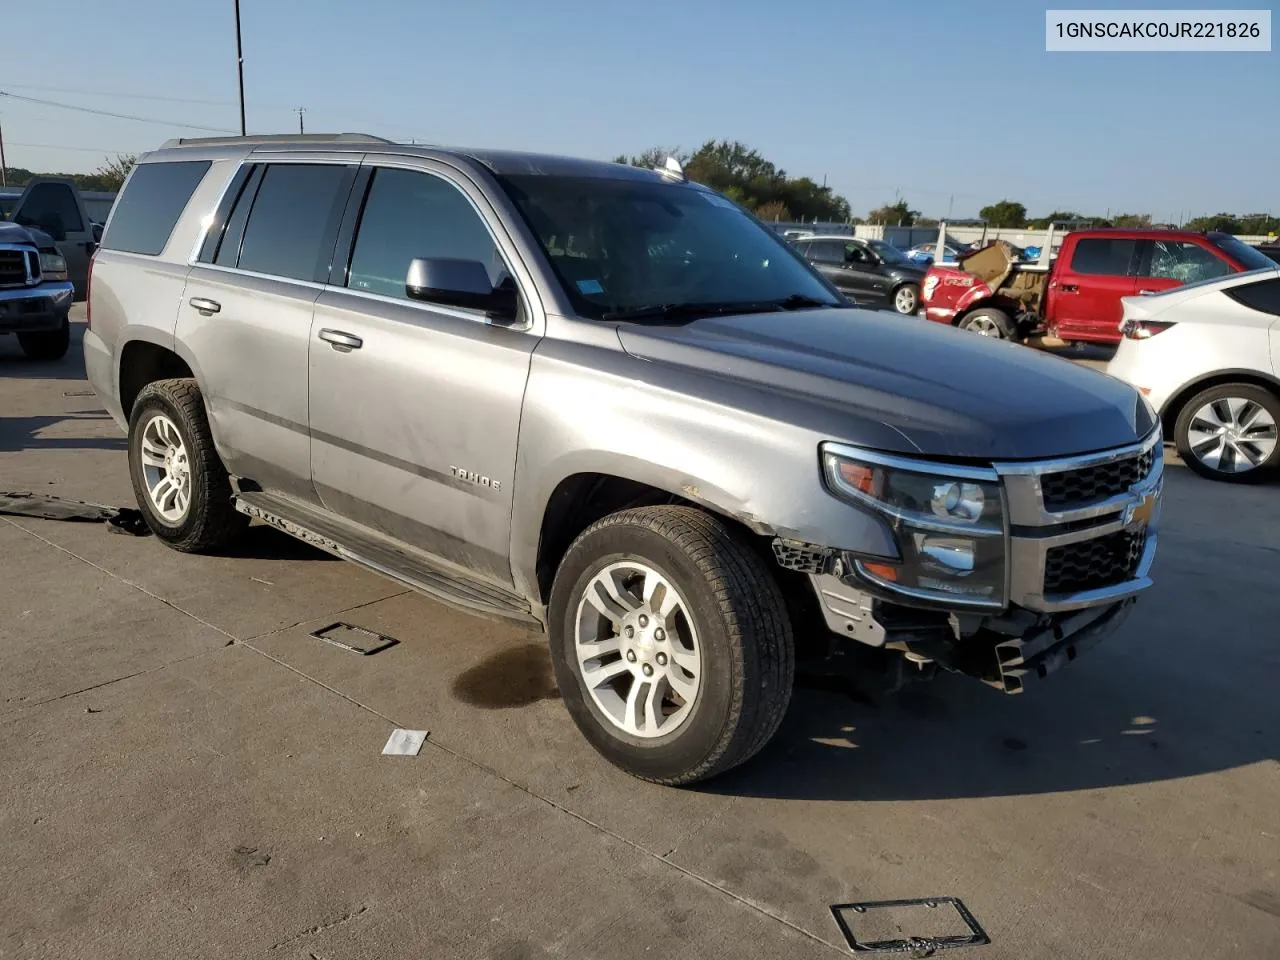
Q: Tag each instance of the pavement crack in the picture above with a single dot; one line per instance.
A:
(321, 927)
(643, 850)
(124, 580)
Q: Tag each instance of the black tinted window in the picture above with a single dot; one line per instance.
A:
(827, 251)
(1263, 295)
(293, 221)
(150, 207)
(50, 206)
(1103, 256)
(407, 215)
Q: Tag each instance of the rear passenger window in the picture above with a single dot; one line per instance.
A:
(1103, 256)
(147, 212)
(294, 220)
(827, 251)
(408, 214)
(1263, 296)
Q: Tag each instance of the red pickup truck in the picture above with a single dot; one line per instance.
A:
(1076, 296)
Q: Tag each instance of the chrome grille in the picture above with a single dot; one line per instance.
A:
(1076, 488)
(1090, 564)
(14, 268)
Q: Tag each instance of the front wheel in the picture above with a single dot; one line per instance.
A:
(1229, 432)
(47, 345)
(906, 299)
(670, 642)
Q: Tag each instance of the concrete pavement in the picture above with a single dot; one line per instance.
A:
(187, 773)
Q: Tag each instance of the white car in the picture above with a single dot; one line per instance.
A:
(1207, 357)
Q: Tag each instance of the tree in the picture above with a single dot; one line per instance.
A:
(1006, 213)
(744, 176)
(897, 214)
(1133, 221)
(111, 174)
(1058, 216)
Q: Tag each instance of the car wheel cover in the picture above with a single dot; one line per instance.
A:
(166, 471)
(983, 326)
(1232, 435)
(637, 651)
(904, 301)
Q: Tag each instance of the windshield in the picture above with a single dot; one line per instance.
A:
(1251, 257)
(625, 245)
(888, 252)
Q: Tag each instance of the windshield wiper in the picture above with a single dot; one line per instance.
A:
(691, 311)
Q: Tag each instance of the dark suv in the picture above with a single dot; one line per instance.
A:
(868, 272)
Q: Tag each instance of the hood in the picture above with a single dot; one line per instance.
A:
(16, 233)
(904, 385)
(907, 271)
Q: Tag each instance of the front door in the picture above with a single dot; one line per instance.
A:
(55, 207)
(245, 317)
(1086, 290)
(866, 272)
(415, 408)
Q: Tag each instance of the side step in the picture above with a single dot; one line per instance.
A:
(403, 564)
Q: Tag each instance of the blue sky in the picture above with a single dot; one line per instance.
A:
(937, 99)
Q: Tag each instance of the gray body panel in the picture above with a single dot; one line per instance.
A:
(449, 432)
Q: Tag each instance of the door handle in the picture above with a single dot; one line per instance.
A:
(205, 305)
(341, 341)
(1069, 288)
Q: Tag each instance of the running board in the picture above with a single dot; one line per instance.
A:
(384, 556)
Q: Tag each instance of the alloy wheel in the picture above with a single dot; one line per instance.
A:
(166, 470)
(1232, 435)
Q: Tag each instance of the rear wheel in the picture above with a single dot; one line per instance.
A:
(671, 644)
(906, 299)
(181, 485)
(1230, 432)
(47, 345)
(988, 322)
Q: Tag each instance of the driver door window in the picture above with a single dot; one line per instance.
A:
(410, 214)
(857, 256)
(1184, 261)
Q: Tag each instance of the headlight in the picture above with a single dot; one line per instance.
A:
(53, 266)
(948, 523)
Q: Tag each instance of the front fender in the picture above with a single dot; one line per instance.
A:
(737, 455)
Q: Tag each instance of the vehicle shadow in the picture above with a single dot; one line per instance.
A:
(14, 363)
(264, 542)
(24, 433)
(1165, 698)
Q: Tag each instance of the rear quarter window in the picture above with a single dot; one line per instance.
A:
(151, 204)
(1263, 296)
(1103, 256)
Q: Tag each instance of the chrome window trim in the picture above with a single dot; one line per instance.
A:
(460, 313)
(893, 461)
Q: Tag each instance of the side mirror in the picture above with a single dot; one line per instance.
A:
(459, 283)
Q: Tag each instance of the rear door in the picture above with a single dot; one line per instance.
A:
(246, 312)
(55, 206)
(1087, 285)
(828, 257)
(867, 273)
(1165, 264)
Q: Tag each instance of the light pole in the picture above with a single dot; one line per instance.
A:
(240, 67)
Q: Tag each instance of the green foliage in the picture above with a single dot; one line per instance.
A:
(109, 177)
(897, 214)
(747, 178)
(1250, 224)
(1006, 213)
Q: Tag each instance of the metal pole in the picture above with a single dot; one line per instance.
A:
(301, 110)
(4, 167)
(240, 67)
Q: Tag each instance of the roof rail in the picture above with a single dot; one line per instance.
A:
(274, 138)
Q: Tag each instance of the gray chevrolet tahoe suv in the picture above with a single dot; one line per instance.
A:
(606, 402)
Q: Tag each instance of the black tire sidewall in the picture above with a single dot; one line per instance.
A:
(154, 400)
(47, 345)
(704, 731)
(1244, 391)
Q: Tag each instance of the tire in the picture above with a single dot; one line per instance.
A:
(174, 409)
(988, 322)
(47, 345)
(730, 602)
(906, 299)
(1226, 406)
